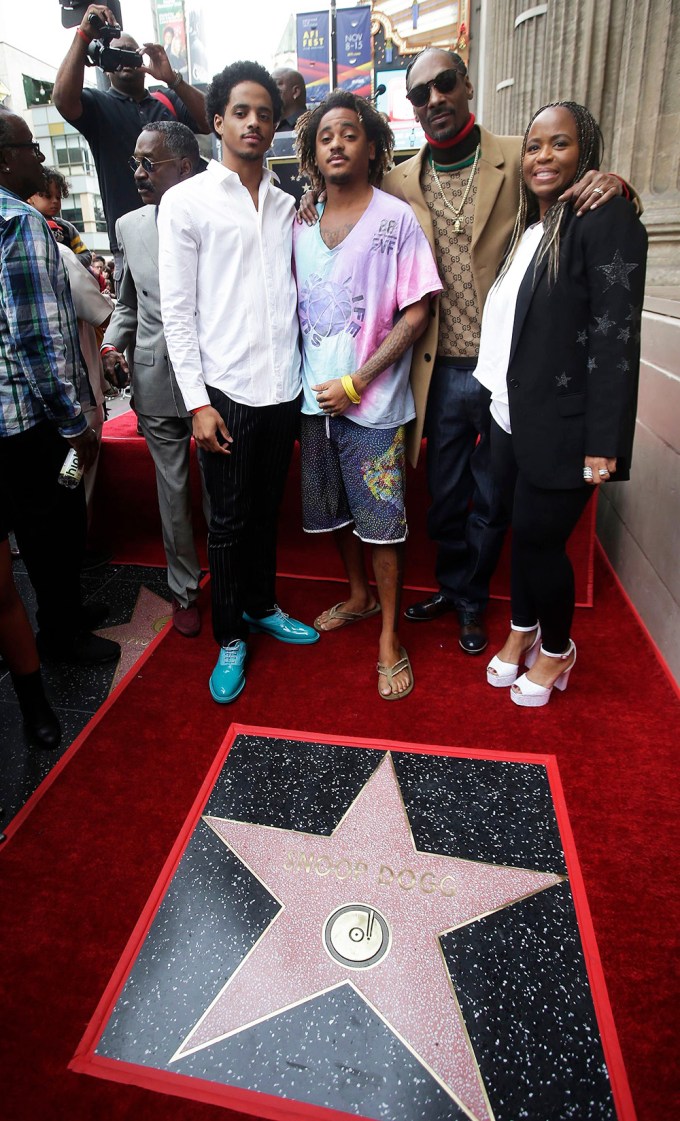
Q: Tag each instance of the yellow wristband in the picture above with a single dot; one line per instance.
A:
(348, 386)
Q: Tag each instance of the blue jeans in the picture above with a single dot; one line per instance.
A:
(466, 517)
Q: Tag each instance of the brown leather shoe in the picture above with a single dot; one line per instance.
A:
(186, 620)
(429, 609)
(473, 638)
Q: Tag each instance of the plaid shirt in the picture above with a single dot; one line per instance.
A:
(39, 353)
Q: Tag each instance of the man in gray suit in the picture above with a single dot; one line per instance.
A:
(165, 154)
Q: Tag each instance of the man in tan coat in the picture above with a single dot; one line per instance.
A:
(463, 187)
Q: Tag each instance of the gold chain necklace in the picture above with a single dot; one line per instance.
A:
(460, 221)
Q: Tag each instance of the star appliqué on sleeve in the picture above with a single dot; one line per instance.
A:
(603, 324)
(624, 334)
(582, 338)
(618, 271)
(563, 380)
(592, 365)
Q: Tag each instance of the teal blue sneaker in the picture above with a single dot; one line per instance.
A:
(281, 626)
(228, 677)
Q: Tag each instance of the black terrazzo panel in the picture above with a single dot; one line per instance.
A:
(481, 809)
(522, 986)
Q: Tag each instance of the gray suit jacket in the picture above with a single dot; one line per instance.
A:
(136, 320)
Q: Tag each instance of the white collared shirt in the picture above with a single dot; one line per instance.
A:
(228, 298)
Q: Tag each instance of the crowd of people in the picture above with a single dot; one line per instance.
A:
(486, 293)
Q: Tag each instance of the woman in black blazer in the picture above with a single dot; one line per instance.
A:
(560, 353)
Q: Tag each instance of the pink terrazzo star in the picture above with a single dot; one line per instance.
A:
(363, 907)
(150, 615)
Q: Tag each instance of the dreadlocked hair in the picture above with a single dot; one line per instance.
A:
(591, 148)
(377, 130)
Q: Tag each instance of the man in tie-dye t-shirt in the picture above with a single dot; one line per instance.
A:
(365, 275)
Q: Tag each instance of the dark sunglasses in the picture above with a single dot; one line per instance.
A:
(148, 165)
(443, 83)
(25, 144)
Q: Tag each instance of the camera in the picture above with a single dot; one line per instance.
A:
(101, 53)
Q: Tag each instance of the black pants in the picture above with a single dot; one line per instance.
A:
(465, 517)
(542, 579)
(49, 521)
(245, 489)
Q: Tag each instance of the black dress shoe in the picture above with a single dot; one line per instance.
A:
(93, 560)
(473, 638)
(40, 723)
(42, 727)
(94, 615)
(428, 609)
(83, 649)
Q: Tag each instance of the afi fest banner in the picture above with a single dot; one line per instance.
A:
(313, 58)
(354, 49)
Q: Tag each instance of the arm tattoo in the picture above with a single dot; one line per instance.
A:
(400, 338)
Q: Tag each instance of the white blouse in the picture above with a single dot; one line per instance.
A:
(497, 326)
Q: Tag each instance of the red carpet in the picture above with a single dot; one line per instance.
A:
(127, 521)
(76, 875)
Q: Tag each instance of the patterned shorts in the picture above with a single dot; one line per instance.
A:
(353, 474)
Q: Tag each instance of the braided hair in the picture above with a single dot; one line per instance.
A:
(591, 147)
(377, 131)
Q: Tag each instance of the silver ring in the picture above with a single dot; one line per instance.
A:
(598, 191)
(587, 472)
(602, 472)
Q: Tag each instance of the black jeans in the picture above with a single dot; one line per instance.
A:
(542, 580)
(465, 518)
(49, 521)
(245, 489)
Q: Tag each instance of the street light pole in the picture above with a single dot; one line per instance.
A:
(334, 52)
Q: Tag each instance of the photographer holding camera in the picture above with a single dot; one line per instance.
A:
(112, 120)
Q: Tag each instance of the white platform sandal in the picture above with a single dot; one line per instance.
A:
(501, 674)
(528, 694)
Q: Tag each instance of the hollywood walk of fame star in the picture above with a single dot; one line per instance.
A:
(149, 616)
(363, 907)
(618, 271)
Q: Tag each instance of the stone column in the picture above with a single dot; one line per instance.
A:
(619, 58)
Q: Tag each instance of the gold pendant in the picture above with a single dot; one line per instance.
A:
(458, 225)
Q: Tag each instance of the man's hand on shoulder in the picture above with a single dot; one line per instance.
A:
(307, 212)
(210, 432)
(594, 189)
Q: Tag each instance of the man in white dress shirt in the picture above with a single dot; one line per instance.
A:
(229, 307)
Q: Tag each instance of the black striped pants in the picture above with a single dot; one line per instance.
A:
(246, 488)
